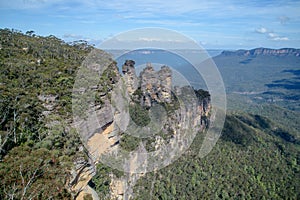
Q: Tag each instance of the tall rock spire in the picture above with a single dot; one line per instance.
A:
(130, 77)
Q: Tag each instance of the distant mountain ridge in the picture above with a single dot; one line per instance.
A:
(264, 51)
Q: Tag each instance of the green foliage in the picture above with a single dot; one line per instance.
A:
(202, 94)
(237, 132)
(107, 79)
(245, 164)
(33, 67)
(101, 181)
(139, 115)
(266, 89)
(138, 94)
(32, 174)
(172, 106)
(129, 143)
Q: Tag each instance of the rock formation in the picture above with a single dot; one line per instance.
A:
(130, 77)
(265, 51)
(102, 130)
(155, 86)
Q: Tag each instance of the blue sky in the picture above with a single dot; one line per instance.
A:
(222, 24)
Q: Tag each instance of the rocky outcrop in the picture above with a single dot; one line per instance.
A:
(130, 77)
(93, 121)
(49, 102)
(102, 129)
(265, 52)
(99, 118)
(80, 176)
(197, 104)
(155, 86)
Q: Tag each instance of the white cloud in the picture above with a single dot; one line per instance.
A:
(149, 39)
(169, 22)
(73, 37)
(197, 18)
(261, 30)
(280, 38)
(275, 37)
(272, 35)
(154, 7)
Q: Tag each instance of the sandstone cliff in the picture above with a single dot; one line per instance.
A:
(102, 130)
(265, 51)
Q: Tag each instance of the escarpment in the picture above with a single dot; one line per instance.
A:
(264, 52)
(136, 115)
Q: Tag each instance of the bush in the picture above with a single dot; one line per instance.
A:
(139, 114)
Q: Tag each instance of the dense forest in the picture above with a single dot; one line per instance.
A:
(37, 145)
(255, 158)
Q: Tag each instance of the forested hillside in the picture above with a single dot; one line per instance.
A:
(36, 144)
(253, 159)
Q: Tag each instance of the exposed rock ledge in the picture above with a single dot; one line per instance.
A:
(265, 52)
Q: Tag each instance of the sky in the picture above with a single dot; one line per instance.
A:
(220, 24)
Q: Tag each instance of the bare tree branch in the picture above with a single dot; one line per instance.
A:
(28, 184)
(14, 128)
(3, 142)
(4, 117)
(23, 182)
(11, 193)
(25, 187)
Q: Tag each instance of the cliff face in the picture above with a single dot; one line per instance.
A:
(265, 51)
(151, 89)
(155, 86)
(95, 129)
